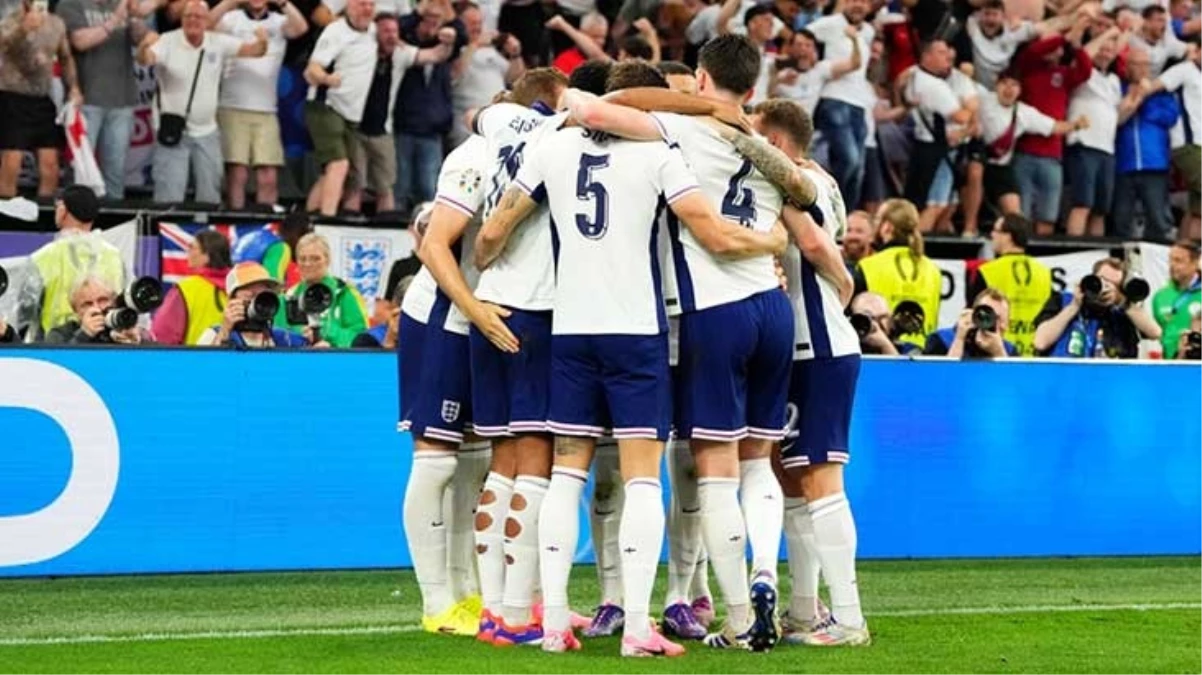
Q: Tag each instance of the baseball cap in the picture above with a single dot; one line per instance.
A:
(81, 203)
(245, 274)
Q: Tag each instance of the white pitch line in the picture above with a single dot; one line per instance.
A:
(390, 629)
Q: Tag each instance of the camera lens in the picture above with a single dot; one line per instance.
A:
(862, 323)
(1136, 289)
(1091, 285)
(3, 281)
(984, 318)
(120, 318)
(145, 294)
(316, 299)
(263, 307)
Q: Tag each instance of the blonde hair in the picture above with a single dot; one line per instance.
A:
(316, 240)
(903, 216)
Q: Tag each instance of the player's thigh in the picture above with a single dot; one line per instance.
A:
(823, 395)
(768, 372)
(528, 372)
(637, 384)
(411, 339)
(715, 345)
(577, 391)
(442, 410)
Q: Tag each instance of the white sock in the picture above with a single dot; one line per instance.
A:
(558, 532)
(803, 560)
(725, 540)
(521, 548)
(684, 524)
(700, 588)
(835, 543)
(641, 539)
(605, 515)
(425, 528)
(460, 504)
(490, 527)
(763, 511)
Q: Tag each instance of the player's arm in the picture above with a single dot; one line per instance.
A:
(655, 99)
(514, 207)
(820, 250)
(774, 164)
(721, 237)
(447, 225)
(602, 115)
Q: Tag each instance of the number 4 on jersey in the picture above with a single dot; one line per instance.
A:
(739, 202)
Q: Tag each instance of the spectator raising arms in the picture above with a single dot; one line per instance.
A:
(1185, 80)
(30, 41)
(190, 62)
(1090, 156)
(1142, 153)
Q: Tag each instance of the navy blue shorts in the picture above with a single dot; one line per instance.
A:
(512, 390)
(821, 396)
(618, 382)
(734, 369)
(435, 377)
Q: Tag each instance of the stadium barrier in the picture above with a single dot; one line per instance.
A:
(160, 460)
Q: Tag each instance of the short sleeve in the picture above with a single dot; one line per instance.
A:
(461, 187)
(937, 97)
(403, 57)
(531, 177)
(335, 6)
(162, 46)
(1033, 121)
(675, 178)
(491, 119)
(228, 23)
(1174, 77)
(671, 126)
(72, 14)
(823, 70)
(328, 45)
(826, 28)
(227, 45)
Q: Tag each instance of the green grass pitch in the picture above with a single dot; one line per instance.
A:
(1031, 615)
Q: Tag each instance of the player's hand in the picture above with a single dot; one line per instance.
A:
(129, 336)
(731, 114)
(235, 311)
(488, 318)
(92, 323)
(780, 238)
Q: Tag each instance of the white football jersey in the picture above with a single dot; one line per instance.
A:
(523, 276)
(461, 187)
(740, 194)
(605, 195)
(821, 330)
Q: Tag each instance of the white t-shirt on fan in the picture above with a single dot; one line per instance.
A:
(251, 83)
(176, 66)
(353, 55)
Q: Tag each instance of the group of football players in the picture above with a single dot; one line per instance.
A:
(652, 277)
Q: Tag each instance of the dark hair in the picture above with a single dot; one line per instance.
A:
(754, 12)
(636, 46)
(1150, 10)
(994, 4)
(1010, 73)
(295, 225)
(539, 85)
(1018, 227)
(387, 16)
(673, 68)
(733, 61)
(631, 74)
(590, 76)
(81, 203)
(1190, 246)
(930, 44)
(216, 246)
(789, 118)
(805, 33)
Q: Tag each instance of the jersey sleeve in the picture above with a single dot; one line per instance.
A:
(1174, 77)
(161, 46)
(460, 186)
(939, 99)
(226, 45)
(328, 45)
(403, 57)
(825, 29)
(1034, 121)
(674, 176)
(491, 119)
(531, 177)
(674, 128)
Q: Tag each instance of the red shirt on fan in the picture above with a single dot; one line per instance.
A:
(569, 60)
(1047, 86)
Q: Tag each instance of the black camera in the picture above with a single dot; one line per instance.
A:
(3, 281)
(142, 296)
(984, 318)
(862, 323)
(1193, 346)
(261, 310)
(308, 308)
(1134, 289)
(908, 318)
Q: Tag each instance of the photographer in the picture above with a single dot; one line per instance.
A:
(246, 322)
(1025, 282)
(1176, 306)
(1189, 344)
(92, 301)
(341, 314)
(8, 334)
(978, 333)
(1099, 320)
(878, 328)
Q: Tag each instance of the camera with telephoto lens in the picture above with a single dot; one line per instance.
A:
(862, 323)
(142, 296)
(984, 318)
(1134, 289)
(1193, 346)
(309, 307)
(260, 312)
(908, 319)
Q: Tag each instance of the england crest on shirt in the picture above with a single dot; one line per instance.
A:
(450, 411)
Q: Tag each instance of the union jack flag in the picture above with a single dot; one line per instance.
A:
(175, 238)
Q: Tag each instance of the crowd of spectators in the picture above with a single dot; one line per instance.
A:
(1008, 119)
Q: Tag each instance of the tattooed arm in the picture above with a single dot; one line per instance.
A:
(513, 209)
(774, 164)
(820, 249)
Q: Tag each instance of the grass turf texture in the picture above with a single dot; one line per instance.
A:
(1030, 615)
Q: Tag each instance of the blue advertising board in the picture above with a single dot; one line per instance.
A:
(117, 461)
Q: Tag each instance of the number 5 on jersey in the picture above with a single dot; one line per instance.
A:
(589, 188)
